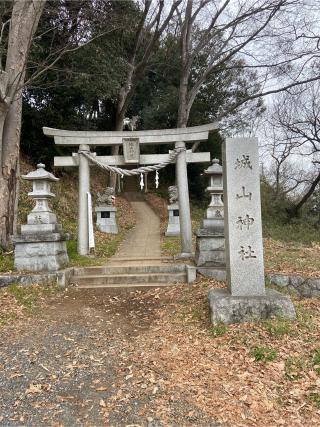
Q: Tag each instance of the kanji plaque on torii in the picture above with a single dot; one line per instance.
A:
(131, 150)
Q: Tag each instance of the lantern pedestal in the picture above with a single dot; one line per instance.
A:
(41, 246)
(40, 252)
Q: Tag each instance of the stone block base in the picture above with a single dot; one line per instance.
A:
(227, 309)
(108, 228)
(217, 273)
(210, 249)
(106, 219)
(173, 228)
(40, 253)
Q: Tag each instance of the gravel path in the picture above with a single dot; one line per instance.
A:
(63, 366)
(144, 239)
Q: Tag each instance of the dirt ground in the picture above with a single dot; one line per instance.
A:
(67, 365)
(151, 358)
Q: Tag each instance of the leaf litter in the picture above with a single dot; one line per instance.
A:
(148, 357)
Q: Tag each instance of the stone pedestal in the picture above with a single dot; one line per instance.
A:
(40, 252)
(210, 256)
(226, 308)
(41, 246)
(173, 228)
(210, 249)
(106, 219)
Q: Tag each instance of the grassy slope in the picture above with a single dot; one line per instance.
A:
(65, 205)
(287, 248)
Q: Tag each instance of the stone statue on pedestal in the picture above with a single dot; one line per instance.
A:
(173, 228)
(106, 211)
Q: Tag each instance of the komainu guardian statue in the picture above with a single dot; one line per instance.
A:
(173, 194)
(107, 197)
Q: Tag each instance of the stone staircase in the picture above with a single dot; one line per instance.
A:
(133, 273)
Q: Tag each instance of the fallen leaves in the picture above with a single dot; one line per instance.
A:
(37, 388)
(102, 403)
(292, 257)
(101, 389)
(158, 360)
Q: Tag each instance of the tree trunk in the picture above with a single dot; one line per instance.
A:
(294, 210)
(183, 111)
(118, 126)
(24, 21)
(10, 172)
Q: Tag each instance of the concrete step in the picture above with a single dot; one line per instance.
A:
(125, 287)
(130, 278)
(119, 260)
(129, 269)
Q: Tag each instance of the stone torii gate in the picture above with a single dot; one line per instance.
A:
(131, 141)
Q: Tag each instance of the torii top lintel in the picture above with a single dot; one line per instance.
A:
(159, 136)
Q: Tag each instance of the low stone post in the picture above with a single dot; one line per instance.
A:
(106, 212)
(210, 247)
(41, 246)
(246, 298)
(173, 228)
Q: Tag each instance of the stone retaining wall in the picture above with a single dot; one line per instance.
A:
(61, 278)
(304, 286)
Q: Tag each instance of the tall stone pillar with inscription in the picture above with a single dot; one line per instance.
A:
(210, 249)
(41, 246)
(246, 298)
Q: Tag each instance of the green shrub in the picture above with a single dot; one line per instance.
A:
(278, 327)
(263, 354)
(218, 330)
(316, 360)
(294, 367)
(314, 397)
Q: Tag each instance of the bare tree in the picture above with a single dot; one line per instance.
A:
(153, 22)
(258, 35)
(22, 25)
(295, 124)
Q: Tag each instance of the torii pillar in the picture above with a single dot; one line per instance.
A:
(83, 215)
(184, 203)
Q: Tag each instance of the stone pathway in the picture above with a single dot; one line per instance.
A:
(144, 238)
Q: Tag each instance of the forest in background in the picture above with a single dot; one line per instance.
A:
(86, 65)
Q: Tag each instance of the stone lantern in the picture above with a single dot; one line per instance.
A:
(214, 218)
(210, 245)
(41, 246)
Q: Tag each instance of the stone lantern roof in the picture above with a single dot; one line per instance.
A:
(214, 169)
(40, 173)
